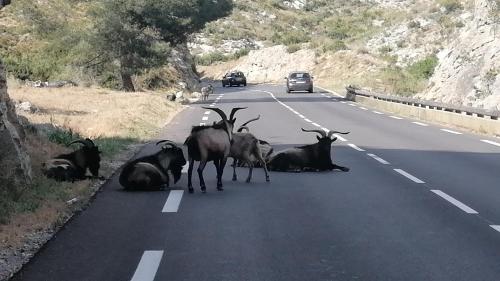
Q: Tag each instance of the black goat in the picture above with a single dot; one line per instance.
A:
(73, 166)
(151, 172)
(314, 157)
(210, 143)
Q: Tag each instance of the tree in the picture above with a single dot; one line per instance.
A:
(138, 34)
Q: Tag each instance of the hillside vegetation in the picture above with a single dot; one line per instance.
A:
(387, 45)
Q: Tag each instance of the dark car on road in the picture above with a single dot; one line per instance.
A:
(299, 81)
(234, 78)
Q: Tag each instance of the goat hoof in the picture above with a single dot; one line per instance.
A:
(191, 190)
(235, 179)
(345, 170)
(268, 180)
(220, 189)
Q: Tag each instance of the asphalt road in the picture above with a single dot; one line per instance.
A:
(421, 202)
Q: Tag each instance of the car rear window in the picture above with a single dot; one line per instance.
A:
(299, 75)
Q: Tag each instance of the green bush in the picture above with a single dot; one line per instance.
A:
(292, 37)
(423, 69)
(293, 48)
(451, 5)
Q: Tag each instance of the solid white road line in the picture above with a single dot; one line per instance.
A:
(207, 112)
(396, 117)
(205, 118)
(173, 201)
(316, 124)
(343, 102)
(148, 266)
(212, 105)
(413, 178)
(451, 132)
(495, 227)
(301, 116)
(364, 108)
(378, 112)
(352, 104)
(420, 124)
(307, 120)
(491, 142)
(378, 159)
(355, 147)
(455, 202)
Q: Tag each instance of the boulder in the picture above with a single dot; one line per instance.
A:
(15, 164)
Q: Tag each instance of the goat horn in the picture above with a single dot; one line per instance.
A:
(167, 141)
(92, 144)
(241, 128)
(321, 132)
(251, 120)
(86, 142)
(233, 111)
(330, 133)
(219, 111)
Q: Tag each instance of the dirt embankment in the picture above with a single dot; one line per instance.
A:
(271, 65)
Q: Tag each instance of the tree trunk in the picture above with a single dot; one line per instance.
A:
(127, 83)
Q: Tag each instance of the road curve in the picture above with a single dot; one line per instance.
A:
(420, 203)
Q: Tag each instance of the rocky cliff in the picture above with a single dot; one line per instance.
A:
(469, 67)
(15, 166)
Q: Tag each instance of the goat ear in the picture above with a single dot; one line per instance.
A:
(318, 138)
(334, 139)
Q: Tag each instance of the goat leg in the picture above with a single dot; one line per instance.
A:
(235, 178)
(190, 173)
(342, 168)
(201, 167)
(220, 172)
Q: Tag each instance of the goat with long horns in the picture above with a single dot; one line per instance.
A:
(316, 157)
(210, 143)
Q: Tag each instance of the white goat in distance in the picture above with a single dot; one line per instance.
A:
(206, 91)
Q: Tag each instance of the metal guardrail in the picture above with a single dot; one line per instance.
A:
(352, 92)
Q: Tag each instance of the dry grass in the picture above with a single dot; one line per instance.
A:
(97, 112)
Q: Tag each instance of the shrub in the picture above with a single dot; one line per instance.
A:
(451, 5)
(423, 69)
(293, 48)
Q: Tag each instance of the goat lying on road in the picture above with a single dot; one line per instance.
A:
(151, 172)
(206, 91)
(210, 143)
(73, 166)
(308, 157)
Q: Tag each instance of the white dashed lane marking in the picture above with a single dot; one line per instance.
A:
(148, 266)
(173, 201)
(364, 108)
(355, 147)
(455, 202)
(396, 117)
(205, 118)
(202, 124)
(409, 176)
(451, 132)
(420, 124)
(207, 112)
(378, 112)
(491, 142)
(380, 160)
(352, 104)
(495, 227)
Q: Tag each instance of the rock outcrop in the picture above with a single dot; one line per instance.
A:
(15, 165)
(182, 61)
(469, 68)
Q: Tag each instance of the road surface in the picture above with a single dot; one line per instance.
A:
(421, 202)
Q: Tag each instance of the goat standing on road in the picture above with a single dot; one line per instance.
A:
(206, 91)
(308, 157)
(265, 148)
(152, 172)
(210, 143)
